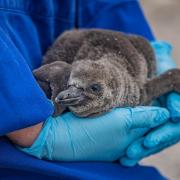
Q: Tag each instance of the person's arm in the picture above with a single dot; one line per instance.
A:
(25, 137)
(23, 103)
(103, 138)
(105, 19)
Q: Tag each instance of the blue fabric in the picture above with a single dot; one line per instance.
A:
(120, 15)
(27, 29)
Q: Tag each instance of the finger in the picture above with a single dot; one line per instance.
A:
(147, 117)
(134, 154)
(133, 157)
(137, 150)
(173, 104)
(125, 161)
(164, 134)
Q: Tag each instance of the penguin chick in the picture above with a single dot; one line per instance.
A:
(95, 87)
(108, 69)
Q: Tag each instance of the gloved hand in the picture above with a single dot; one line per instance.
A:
(164, 62)
(167, 134)
(103, 138)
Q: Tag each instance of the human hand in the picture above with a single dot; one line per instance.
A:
(103, 138)
(168, 134)
(156, 141)
(164, 62)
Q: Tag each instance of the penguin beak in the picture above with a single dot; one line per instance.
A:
(71, 96)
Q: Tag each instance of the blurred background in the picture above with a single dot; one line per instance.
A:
(164, 18)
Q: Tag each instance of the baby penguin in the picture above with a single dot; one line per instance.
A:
(91, 71)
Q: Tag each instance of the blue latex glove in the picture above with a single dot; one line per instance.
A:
(103, 138)
(163, 51)
(169, 133)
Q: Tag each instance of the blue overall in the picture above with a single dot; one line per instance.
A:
(27, 29)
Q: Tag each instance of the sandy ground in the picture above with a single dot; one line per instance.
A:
(164, 17)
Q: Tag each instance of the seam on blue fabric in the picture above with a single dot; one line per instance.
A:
(4, 43)
(35, 15)
(5, 46)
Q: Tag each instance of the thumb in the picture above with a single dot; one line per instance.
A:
(147, 117)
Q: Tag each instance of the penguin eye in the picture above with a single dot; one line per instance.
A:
(95, 88)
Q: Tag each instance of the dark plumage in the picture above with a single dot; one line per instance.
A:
(92, 71)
